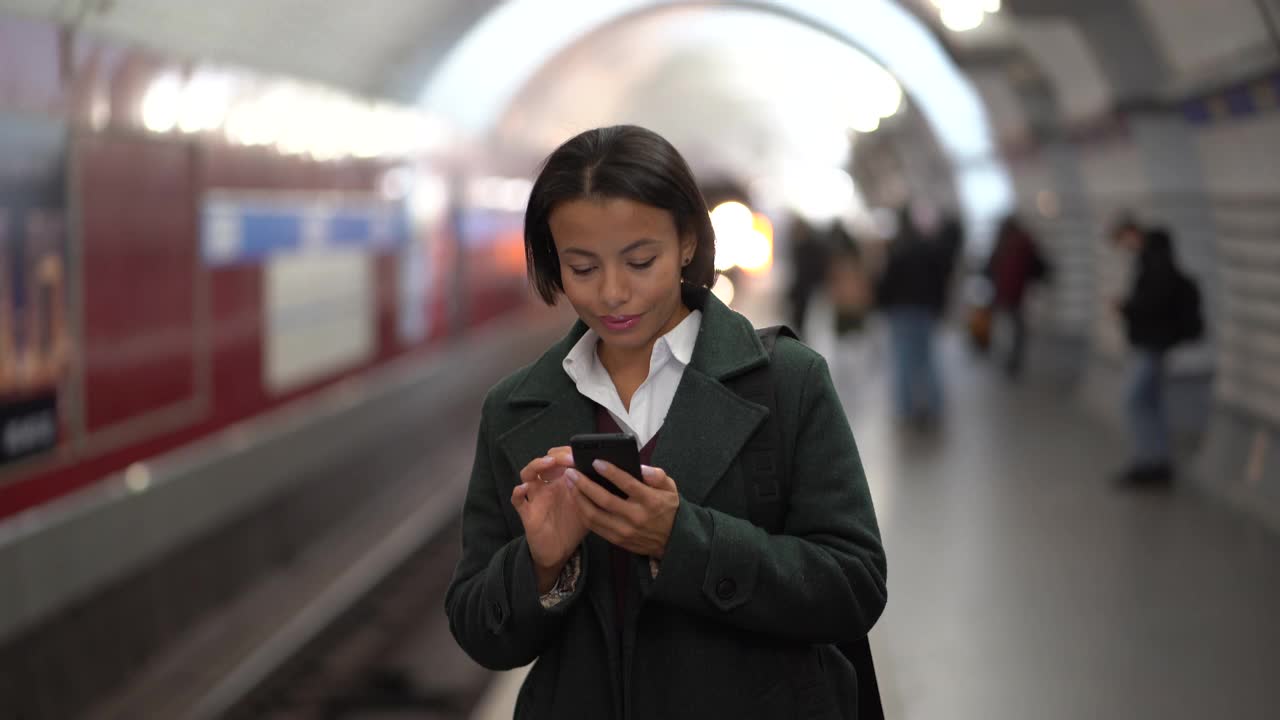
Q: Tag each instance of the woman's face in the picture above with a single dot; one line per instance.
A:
(620, 264)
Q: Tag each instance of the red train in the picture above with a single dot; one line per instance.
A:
(184, 247)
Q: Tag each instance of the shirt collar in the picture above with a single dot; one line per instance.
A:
(683, 337)
(679, 342)
(582, 357)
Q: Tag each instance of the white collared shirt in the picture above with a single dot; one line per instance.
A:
(652, 400)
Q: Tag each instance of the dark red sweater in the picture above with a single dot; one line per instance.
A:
(619, 558)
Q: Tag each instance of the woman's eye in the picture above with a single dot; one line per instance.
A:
(642, 265)
(581, 271)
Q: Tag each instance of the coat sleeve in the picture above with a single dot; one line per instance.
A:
(822, 580)
(492, 601)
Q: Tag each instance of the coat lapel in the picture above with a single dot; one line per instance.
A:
(706, 427)
(708, 424)
(559, 411)
(568, 415)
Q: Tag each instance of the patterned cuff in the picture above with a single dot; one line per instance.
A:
(654, 566)
(565, 584)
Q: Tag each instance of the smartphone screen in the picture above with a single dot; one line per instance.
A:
(618, 449)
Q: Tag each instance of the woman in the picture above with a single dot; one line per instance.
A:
(667, 604)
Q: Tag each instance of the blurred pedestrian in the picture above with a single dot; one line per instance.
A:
(1015, 264)
(1161, 311)
(912, 292)
(848, 286)
(810, 253)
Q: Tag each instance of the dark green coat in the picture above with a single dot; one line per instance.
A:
(738, 623)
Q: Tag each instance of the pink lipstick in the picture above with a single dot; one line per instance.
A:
(618, 323)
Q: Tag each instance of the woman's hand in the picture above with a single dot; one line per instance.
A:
(552, 525)
(640, 523)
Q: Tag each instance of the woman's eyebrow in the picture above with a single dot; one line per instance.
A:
(643, 242)
(638, 244)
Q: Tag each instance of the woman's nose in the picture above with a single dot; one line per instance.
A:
(615, 292)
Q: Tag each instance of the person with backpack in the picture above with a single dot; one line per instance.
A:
(1161, 311)
(740, 574)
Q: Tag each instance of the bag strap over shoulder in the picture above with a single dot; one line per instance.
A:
(764, 459)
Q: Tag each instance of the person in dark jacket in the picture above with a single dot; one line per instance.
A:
(1153, 326)
(810, 257)
(669, 603)
(912, 291)
(1015, 263)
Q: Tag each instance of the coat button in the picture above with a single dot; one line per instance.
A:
(726, 588)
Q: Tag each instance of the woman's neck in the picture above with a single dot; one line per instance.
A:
(629, 367)
(627, 373)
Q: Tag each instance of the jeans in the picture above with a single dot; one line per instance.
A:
(1017, 350)
(1146, 409)
(917, 390)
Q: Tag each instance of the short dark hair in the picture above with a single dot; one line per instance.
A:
(626, 162)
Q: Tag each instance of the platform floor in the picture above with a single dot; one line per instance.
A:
(1023, 586)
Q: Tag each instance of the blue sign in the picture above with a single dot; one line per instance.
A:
(240, 228)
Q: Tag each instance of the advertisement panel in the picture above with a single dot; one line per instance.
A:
(34, 336)
(319, 287)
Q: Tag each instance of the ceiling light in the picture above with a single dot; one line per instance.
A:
(162, 103)
(865, 122)
(962, 17)
(723, 289)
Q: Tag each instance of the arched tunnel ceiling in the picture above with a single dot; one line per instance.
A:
(477, 82)
(388, 48)
(1063, 56)
(372, 47)
(737, 90)
(1199, 37)
(1008, 118)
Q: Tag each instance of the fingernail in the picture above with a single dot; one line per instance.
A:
(600, 465)
(570, 476)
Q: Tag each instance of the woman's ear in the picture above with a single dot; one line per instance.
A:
(688, 246)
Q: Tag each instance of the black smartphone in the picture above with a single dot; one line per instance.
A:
(618, 449)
